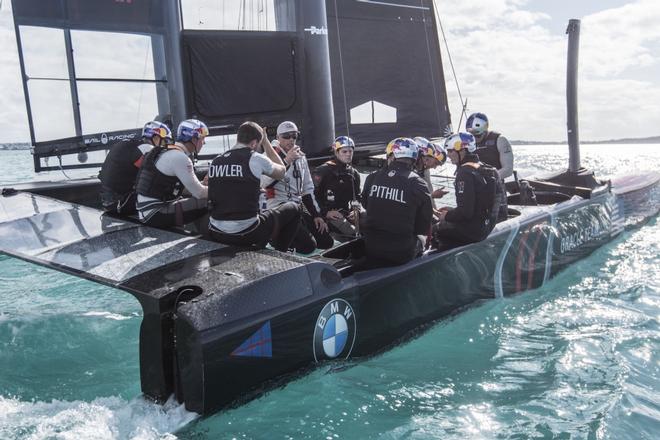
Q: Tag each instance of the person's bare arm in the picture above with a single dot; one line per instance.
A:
(269, 151)
(278, 171)
(506, 157)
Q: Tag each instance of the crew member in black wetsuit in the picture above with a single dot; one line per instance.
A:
(165, 172)
(474, 215)
(494, 150)
(399, 212)
(121, 166)
(234, 190)
(337, 189)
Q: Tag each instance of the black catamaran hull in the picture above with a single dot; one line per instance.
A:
(218, 359)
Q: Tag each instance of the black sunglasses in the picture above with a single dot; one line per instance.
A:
(289, 136)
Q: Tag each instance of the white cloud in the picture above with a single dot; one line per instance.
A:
(622, 38)
(513, 69)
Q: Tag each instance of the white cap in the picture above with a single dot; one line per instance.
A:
(286, 127)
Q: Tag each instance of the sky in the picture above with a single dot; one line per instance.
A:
(509, 57)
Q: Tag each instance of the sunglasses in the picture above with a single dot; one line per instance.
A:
(289, 136)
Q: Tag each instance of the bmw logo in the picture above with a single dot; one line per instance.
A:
(335, 330)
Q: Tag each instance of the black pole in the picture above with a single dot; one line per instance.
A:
(172, 48)
(319, 119)
(26, 92)
(160, 71)
(75, 100)
(573, 32)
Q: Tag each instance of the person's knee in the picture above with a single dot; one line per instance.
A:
(325, 241)
(306, 247)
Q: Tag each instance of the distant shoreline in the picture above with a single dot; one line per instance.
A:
(15, 146)
(647, 140)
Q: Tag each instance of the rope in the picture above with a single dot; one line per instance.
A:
(59, 158)
(451, 62)
(144, 74)
(341, 68)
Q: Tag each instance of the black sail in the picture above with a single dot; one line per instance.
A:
(387, 77)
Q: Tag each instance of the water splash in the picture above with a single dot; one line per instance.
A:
(102, 418)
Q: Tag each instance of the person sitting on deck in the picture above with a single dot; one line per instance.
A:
(297, 186)
(166, 170)
(234, 191)
(431, 156)
(494, 150)
(474, 216)
(120, 169)
(337, 189)
(399, 212)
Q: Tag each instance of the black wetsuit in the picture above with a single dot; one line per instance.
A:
(399, 209)
(490, 155)
(335, 185)
(118, 174)
(474, 215)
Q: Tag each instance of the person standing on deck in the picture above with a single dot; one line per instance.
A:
(399, 211)
(165, 172)
(475, 214)
(337, 189)
(297, 186)
(494, 150)
(120, 169)
(234, 191)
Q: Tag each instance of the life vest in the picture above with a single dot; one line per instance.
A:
(336, 185)
(233, 190)
(393, 196)
(118, 172)
(153, 183)
(493, 185)
(487, 150)
(389, 206)
(476, 224)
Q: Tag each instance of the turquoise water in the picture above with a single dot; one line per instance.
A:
(578, 358)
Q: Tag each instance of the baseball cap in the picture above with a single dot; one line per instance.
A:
(287, 127)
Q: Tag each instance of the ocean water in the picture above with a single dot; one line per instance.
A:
(578, 358)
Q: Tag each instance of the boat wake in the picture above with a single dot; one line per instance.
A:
(102, 418)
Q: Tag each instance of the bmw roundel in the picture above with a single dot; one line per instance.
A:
(335, 330)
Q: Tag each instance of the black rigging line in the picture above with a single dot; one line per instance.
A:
(451, 63)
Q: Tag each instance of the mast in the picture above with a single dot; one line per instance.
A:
(172, 48)
(575, 175)
(319, 120)
(573, 32)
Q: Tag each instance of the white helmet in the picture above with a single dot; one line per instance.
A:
(435, 151)
(403, 148)
(461, 141)
(477, 124)
(421, 142)
(191, 129)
